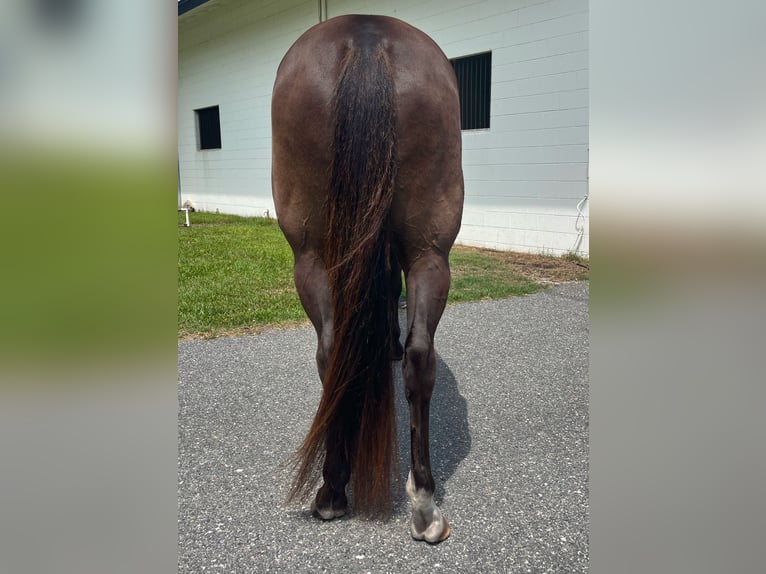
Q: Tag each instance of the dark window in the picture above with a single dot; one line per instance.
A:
(474, 75)
(209, 128)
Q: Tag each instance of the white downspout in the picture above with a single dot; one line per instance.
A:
(580, 227)
(180, 201)
(180, 204)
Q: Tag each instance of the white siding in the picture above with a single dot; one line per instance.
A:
(228, 55)
(525, 175)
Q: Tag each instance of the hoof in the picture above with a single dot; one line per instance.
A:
(398, 351)
(445, 534)
(427, 522)
(326, 513)
(437, 532)
(328, 505)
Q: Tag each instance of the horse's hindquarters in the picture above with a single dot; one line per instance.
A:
(367, 151)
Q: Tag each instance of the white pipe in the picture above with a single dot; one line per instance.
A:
(580, 227)
(186, 211)
(180, 203)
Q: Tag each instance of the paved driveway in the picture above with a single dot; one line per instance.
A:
(509, 436)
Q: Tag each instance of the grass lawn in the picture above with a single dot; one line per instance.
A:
(235, 276)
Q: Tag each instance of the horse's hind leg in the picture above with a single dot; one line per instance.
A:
(313, 288)
(427, 287)
(331, 501)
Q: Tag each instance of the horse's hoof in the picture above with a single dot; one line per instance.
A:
(326, 513)
(438, 531)
(328, 505)
(447, 531)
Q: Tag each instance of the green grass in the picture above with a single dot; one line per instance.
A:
(235, 275)
(481, 275)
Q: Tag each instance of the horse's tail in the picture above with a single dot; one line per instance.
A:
(356, 411)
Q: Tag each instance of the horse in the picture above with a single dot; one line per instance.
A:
(367, 183)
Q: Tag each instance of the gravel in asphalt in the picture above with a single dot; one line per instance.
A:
(509, 449)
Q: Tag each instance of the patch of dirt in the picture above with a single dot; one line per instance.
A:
(546, 269)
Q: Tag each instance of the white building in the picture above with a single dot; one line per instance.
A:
(526, 173)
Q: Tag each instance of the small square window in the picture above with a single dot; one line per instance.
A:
(474, 77)
(208, 128)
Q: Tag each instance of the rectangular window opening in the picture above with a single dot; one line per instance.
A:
(208, 128)
(474, 77)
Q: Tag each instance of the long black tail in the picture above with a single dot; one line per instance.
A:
(356, 412)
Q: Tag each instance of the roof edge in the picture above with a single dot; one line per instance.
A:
(186, 5)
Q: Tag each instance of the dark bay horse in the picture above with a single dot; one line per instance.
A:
(367, 182)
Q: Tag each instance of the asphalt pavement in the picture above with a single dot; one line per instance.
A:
(509, 449)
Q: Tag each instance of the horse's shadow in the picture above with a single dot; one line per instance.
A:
(450, 437)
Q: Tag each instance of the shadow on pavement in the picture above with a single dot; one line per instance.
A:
(450, 437)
